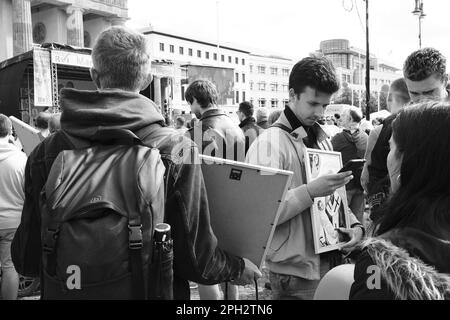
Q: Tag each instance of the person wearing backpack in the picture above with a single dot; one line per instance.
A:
(96, 188)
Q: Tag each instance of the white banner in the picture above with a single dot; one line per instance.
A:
(42, 78)
(71, 59)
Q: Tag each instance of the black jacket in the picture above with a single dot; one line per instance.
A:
(351, 146)
(84, 113)
(219, 136)
(411, 265)
(378, 172)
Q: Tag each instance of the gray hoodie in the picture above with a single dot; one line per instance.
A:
(12, 176)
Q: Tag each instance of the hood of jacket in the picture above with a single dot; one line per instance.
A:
(415, 265)
(8, 150)
(88, 113)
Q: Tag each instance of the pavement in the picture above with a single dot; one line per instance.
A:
(245, 292)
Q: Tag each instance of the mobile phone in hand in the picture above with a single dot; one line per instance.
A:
(352, 165)
(343, 237)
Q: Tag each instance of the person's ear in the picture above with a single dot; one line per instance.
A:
(95, 77)
(292, 95)
(147, 82)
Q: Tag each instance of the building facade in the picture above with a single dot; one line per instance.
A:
(350, 64)
(73, 22)
(260, 79)
(269, 80)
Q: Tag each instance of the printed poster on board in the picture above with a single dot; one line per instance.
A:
(331, 212)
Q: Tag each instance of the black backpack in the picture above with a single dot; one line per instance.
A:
(99, 207)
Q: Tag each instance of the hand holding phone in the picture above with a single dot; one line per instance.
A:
(353, 165)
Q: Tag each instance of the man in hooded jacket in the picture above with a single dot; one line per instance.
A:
(121, 69)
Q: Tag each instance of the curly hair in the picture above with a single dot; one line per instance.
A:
(423, 63)
(315, 72)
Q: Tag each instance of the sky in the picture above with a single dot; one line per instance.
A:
(294, 28)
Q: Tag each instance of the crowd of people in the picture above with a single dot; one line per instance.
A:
(404, 183)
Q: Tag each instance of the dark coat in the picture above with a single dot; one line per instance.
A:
(84, 113)
(219, 136)
(351, 146)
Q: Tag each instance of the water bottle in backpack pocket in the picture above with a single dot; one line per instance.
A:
(161, 270)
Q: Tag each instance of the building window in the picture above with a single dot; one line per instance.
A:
(199, 53)
(274, 71)
(243, 96)
(262, 86)
(207, 54)
(237, 77)
(286, 102)
(181, 50)
(251, 68)
(237, 96)
(285, 72)
(222, 58)
(251, 85)
(262, 103)
(229, 59)
(243, 78)
(262, 69)
(161, 46)
(215, 56)
(172, 48)
(274, 103)
(190, 52)
(236, 60)
(251, 101)
(274, 87)
(243, 61)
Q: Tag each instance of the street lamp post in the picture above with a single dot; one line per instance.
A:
(367, 64)
(418, 11)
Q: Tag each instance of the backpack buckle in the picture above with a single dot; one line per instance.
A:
(51, 235)
(135, 237)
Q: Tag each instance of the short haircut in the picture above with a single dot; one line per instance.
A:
(423, 63)
(121, 57)
(5, 126)
(42, 120)
(355, 113)
(399, 86)
(315, 72)
(262, 114)
(246, 108)
(204, 91)
(181, 120)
